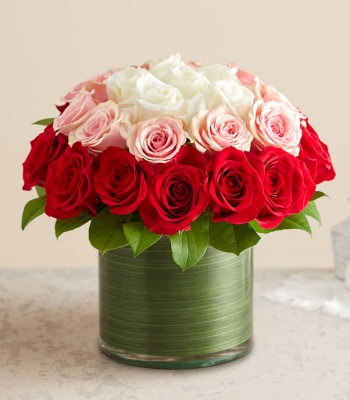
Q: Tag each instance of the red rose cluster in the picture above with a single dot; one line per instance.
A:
(236, 186)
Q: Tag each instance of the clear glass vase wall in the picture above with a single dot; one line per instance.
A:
(154, 315)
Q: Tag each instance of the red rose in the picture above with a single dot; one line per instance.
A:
(235, 186)
(315, 155)
(189, 155)
(121, 180)
(177, 193)
(45, 148)
(288, 186)
(62, 107)
(69, 184)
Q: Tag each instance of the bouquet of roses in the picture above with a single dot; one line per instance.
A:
(207, 155)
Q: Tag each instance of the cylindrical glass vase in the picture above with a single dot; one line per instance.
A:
(154, 315)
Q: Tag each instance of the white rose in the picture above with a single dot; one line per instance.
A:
(231, 93)
(121, 85)
(217, 72)
(154, 98)
(160, 65)
(175, 72)
(219, 128)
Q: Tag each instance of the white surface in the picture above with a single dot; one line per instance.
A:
(48, 348)
(314, 291)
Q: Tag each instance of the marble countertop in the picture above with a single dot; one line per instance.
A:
(49, 348)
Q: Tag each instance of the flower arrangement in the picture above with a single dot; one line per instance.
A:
(206, 155)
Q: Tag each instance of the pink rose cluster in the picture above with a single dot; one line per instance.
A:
(169, 140)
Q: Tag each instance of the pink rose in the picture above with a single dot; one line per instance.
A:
(269, 93)
(219, 128)
(101, 129)
(75, 114)
(194, 64)
(275, 124)
(156, 140)
(94, 85)
(246, 78)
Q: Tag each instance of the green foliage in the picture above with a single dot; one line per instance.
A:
(40, 191)
(106, 231)
(139, 237)
(296, 221)
(312, 211)
(44, 122)
(318, 195)
(232, 238)
(33, 209)
(65, 225)
(188, 247)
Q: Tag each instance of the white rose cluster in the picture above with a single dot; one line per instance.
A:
(155, 108)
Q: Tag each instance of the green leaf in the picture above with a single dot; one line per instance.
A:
(106, 231)
(312, 211)
(44, 122)
(65, 225)
(40, 191)
(257, 228)
(188, 247)
(232, 238)
(33, 209)
(296, 221)
(139, 237)
(318, 195)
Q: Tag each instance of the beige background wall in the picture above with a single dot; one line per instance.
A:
(301, 47)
